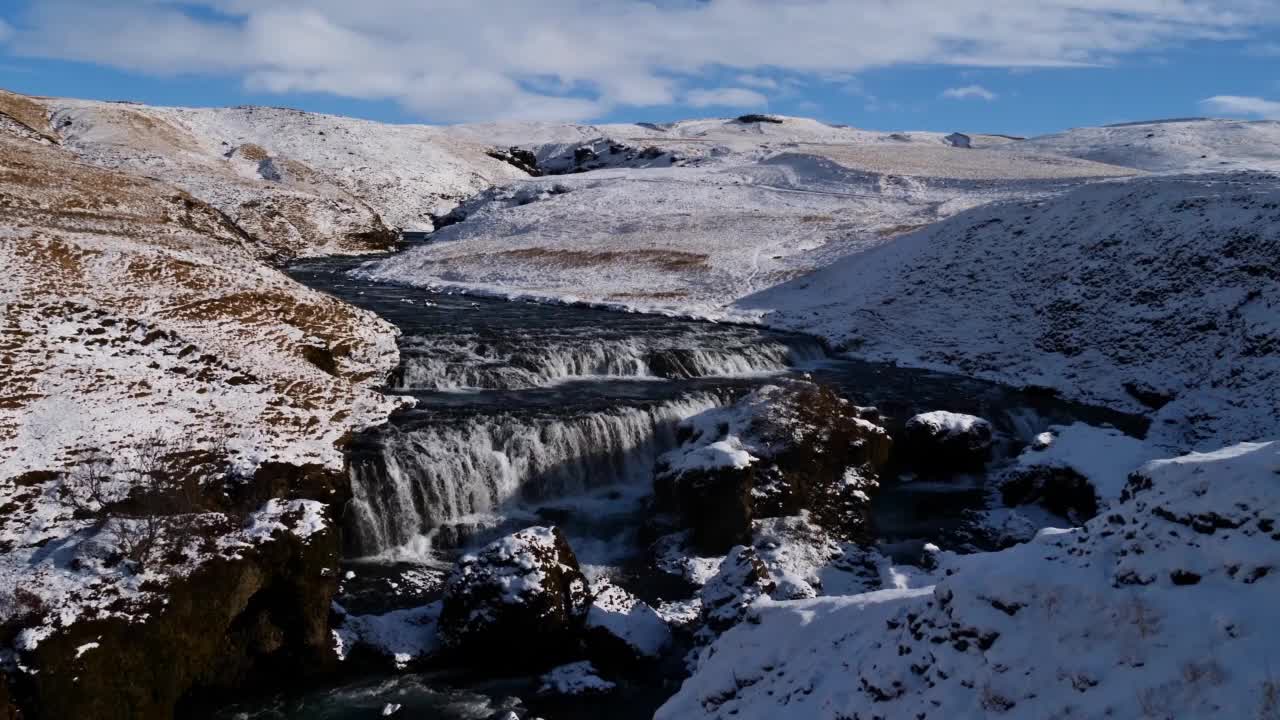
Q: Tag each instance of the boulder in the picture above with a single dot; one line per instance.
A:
(713, 503)
(742, 579)
(1059, 489)
(518, 602)
(622, 630)
(780, 451)
(944, 441)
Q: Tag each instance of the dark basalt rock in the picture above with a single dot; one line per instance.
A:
(816, 454)
(518, 603)
(756, 118)
(622, 631)
(256, 621)
(1060, 490)
(715, 505)
(1148, 395)
(518, 158)
(742, 579)
(944, 442)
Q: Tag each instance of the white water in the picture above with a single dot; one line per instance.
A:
(447, 472)
(458, 364)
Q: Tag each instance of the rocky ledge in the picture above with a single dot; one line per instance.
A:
(233, 597)
(779, 451)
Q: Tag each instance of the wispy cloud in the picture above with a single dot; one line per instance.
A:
(1242, 106)
(574, 59)
(968, 92)
(757, 81)
(1264, 49)
(725, 97)
(6, 31)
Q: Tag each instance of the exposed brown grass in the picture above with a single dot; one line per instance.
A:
(671, 260)
(254, 153)
(27, 112)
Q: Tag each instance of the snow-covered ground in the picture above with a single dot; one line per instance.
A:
(1161, 607)
(1133, 266)
(1162, 288)
(1168, 146)
(299, 183)
(692, 238)
(135, 320)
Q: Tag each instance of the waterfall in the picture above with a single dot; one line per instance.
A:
(470, 363)
(416, 479)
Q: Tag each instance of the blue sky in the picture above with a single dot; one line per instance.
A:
(1020, 67)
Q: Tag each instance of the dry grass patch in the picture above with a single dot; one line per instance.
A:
(27, 112)
(671, 260)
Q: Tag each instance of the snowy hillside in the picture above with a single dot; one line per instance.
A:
(1161, 607)
(1160, 291)
(134, 308)
(298, 183)
(1168, 146)
(744, 207)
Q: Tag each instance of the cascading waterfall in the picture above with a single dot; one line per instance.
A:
(421, 478)
(478, 364)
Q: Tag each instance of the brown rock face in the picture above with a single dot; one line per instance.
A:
(1060, 490)
(813, 453)
(716, 506)
(233, 624)
(519, 602)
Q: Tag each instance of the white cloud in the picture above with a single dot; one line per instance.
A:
(1248, 106)
(757, 81)
(491, 59)
(969, 91)
(6, 31)
(725, 97)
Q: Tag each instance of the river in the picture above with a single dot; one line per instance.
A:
(532, 413)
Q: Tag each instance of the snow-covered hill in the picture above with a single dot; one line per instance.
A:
(132, 307)
(1168, 146)
(298, 183)
(736, 207)
(1159, 287)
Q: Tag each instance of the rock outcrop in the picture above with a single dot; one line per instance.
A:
(741, 580)
(253, 615)
(943, 442)
(1060, 490)
(520, 601)
(780, 451)
(622, 630)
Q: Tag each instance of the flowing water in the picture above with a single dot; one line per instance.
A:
(534, 413)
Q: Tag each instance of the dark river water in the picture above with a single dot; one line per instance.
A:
(538, 413)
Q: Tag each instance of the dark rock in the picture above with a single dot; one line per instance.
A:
(255, 621)
(621, 630)
(946, 442)
(1060, 490)
(518, 158)
(715, 505)
(1148, 395)
(519, 602)
(813, 453)
(742, 579)
(756, 118)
